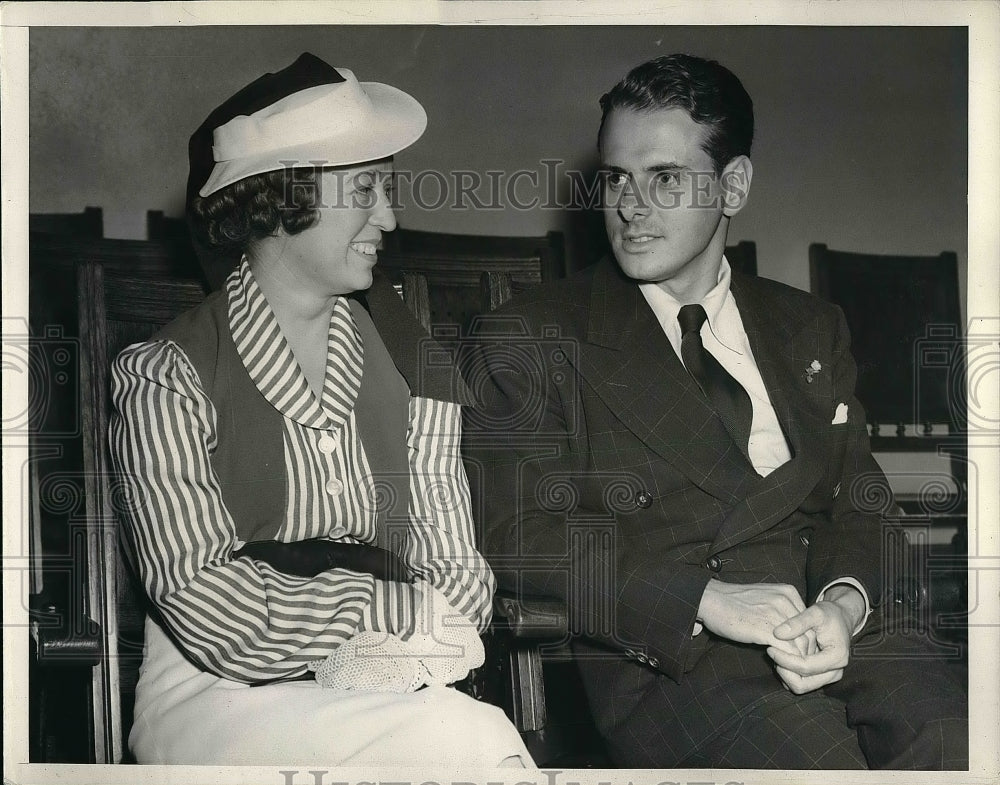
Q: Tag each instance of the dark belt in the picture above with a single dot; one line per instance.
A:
(308, 558)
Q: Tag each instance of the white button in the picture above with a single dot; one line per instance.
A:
(335, 487)
(327, 444)
(337, 532)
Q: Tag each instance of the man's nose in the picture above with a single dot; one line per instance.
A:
(631, 205)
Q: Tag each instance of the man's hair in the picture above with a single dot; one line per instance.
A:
(708, 92)
(250, 209)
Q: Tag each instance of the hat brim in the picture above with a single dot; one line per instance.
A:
(397, 121)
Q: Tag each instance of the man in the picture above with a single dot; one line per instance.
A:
(676, 450)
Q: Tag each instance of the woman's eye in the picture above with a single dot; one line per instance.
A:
(364, 191)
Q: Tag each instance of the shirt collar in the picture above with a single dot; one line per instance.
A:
(719, 304)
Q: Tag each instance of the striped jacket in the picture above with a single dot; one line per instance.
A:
(240, 618)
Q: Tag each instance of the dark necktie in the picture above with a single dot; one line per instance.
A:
(725, 394)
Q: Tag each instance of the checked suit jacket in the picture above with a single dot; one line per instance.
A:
(603, 477)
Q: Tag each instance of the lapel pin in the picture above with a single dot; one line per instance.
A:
(812, 370)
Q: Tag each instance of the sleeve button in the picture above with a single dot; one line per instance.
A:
(644, 499)
(714, 563)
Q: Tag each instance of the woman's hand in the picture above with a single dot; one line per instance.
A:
(447, 643)
(445, 647)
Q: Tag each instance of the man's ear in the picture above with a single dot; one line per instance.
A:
(735, 184)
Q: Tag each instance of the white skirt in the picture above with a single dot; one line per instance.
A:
(184, 715)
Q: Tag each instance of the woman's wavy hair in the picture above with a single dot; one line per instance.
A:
(235, 217)
(708, 91)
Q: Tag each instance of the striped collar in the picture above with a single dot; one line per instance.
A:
(272, 366)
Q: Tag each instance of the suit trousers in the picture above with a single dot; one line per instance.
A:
(901, 704)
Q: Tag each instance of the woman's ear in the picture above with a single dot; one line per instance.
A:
(735, 183)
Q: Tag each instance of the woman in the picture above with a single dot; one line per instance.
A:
(301, 519)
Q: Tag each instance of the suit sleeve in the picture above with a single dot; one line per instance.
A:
(549, 525)
(852, 545)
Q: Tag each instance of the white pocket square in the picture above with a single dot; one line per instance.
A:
(840, 416)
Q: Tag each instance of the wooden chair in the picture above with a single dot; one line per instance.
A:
(115, 307)
(89, 223)
(897, 307)
(548, 249)
(452, 266)
(211, 265)
(907, 338)
(55, 256)
(159, 227)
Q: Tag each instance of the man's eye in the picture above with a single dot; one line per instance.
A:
(615, 180)
(666, 179)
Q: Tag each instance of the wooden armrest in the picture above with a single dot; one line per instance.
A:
(532, 619)
(63, 643)
(524, 624)
(909, 591)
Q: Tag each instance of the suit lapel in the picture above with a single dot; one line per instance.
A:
(782, 354)
(634, 369)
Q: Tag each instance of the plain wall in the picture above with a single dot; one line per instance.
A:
(861, 132)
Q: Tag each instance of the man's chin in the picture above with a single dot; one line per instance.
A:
(642, 268)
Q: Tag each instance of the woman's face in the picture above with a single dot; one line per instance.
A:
(337, 253)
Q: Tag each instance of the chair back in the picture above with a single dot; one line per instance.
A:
(89, 223)
(450, 266)
(115, 308)
(549, 249)
(905, 322)
(497, 286)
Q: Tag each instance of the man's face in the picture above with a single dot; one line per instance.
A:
(663, 201)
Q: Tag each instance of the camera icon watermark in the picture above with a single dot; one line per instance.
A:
(50, 362)
(956, 378)
(515, 372)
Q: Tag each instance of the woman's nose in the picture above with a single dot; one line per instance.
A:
(382, 215)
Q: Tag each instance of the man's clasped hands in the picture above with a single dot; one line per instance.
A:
(810, 646)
